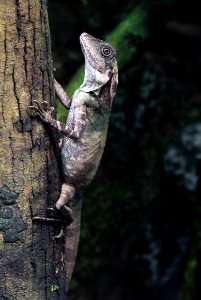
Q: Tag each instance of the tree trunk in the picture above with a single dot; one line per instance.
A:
(31, 262)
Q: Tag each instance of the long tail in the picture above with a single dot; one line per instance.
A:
(71, 236)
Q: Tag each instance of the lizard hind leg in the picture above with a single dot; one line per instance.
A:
(67, 193)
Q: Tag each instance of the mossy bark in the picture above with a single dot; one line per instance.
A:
(31, 262)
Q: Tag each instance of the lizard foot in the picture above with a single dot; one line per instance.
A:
(66, 213)
(55, 216)
(42, 111)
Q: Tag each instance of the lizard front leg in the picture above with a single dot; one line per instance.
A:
(61, 95)
(45, 114)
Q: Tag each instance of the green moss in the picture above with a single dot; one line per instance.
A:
(190, 269)
(128, 34)
(54, 288)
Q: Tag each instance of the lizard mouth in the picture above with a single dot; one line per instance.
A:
(85, 39)
(89, 50)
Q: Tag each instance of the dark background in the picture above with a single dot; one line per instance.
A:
(141, 220)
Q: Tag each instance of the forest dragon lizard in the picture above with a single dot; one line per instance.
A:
(84, 133)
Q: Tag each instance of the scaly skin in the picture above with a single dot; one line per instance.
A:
(85, 132)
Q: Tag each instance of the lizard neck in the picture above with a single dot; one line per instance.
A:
(93, 79)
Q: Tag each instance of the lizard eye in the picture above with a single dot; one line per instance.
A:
(107, 51)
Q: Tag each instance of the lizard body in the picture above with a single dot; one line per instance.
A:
(85, 131)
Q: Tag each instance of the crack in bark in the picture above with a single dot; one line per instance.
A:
(4, 72)
(29, 12)
(6, 52)
(13, 158)
(25, 58)
(46, 297)
(45, 263)
(18, 19)
(30, 206)
(44, 23)
(17, 98)
(31, 136)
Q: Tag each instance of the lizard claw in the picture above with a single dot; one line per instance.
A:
(42, 111)
(60, 235)
(44, 105)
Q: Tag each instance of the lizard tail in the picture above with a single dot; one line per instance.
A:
(71, 236)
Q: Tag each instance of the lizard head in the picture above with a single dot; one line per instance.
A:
(100, 62)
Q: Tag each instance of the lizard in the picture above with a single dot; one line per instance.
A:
(84, 134)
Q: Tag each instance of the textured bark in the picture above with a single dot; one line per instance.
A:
(31, 262)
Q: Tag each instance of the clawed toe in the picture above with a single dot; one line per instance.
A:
(41, 110)
(44, 105)
(32, 111)
(45, 108)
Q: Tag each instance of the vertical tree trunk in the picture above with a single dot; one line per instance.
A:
(31, 263)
